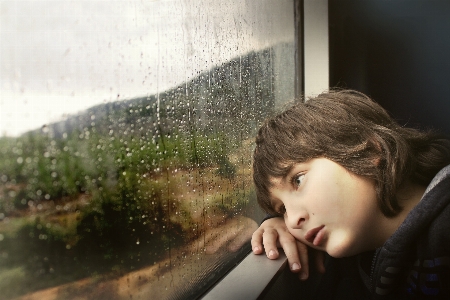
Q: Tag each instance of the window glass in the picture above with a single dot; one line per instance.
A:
(126, 132)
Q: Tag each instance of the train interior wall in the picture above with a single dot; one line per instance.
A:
(398, 53)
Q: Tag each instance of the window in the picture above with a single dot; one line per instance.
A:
(126, 132)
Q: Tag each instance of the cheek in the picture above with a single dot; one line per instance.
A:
(323, 202)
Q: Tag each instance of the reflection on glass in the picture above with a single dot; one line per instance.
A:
(126, 139)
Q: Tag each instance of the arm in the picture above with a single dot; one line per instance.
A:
(273, 234)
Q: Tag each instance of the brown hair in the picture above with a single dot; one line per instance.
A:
(350, 129)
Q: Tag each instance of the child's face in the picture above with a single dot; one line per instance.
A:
(328, 207)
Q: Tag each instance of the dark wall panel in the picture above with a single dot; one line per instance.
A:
(398, 53)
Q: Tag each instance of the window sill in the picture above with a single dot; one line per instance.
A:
(249, 279)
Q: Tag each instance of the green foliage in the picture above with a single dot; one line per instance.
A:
(10, 282)
(226, 168)
(130, 220)
(124, 223)
(121, 165)
(41, 244)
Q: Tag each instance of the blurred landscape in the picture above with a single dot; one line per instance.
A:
(125, 185)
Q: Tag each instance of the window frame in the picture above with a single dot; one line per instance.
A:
(256, 274)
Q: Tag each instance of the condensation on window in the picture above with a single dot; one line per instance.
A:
(126, 135)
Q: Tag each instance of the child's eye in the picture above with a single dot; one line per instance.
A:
(298, 179)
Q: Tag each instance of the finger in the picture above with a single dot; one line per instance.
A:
(320, 261)
(270, 238)
(257, 238)
(289, 245)
(304, 262)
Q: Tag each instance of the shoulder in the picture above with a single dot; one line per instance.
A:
(429, 275)
(420, 248)
(432, 216)
(440, 177)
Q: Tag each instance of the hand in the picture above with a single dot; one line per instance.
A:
(273, 234)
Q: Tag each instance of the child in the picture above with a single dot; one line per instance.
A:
(340, 176)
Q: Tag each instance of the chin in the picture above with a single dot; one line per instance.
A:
(337, 255)
(339, 251)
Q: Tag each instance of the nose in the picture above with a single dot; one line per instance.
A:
(295, 218)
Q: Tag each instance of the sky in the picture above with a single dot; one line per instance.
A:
(59, 57)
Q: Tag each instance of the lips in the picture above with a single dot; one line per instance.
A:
(315, 235)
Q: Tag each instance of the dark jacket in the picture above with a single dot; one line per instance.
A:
(415, 260)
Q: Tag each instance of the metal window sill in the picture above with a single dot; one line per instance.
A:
(249, 279)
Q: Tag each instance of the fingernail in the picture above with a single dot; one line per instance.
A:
(295, 266)
(304, 276)
(271, 253)
(256, 249)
